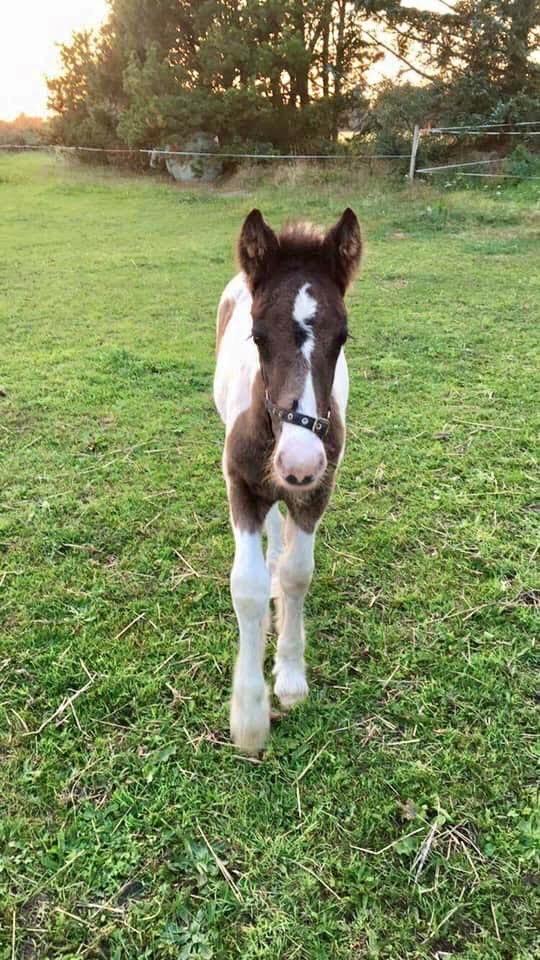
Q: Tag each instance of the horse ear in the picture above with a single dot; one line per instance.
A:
(343, 244)
(256, 247)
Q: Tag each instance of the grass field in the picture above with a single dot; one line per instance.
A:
(394, 814)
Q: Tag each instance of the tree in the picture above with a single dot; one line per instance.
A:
(475, 62)
(287, 73)
(23, 130)
(480, 51)
(88, 97)
(280, 71)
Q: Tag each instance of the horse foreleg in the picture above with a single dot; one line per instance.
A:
(274, 532)
(295, 572)
(250, 591)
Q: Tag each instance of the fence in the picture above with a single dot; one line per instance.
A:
(482, 129)
(216, 155)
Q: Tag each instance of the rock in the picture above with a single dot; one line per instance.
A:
(187, 169)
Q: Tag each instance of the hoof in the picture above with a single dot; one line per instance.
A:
(290, 686)
(250, 721)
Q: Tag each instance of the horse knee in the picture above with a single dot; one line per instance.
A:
(295, 574)
(250, 592)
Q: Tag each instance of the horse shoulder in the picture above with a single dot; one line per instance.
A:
(237, 358)
(340, 387)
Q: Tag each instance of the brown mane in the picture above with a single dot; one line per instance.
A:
(301, 239)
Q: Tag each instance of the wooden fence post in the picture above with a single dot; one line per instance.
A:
(414, 150)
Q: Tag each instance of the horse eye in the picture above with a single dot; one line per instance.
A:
(258, 339)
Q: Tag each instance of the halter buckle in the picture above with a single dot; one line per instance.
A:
(317, 425)
(320, 425)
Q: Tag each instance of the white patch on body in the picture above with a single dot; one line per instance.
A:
(340, 393)
(340, 386)
(238, 359)
(250, 591)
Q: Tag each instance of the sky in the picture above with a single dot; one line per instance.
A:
(29, 32)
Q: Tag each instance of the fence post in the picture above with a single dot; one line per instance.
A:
(414, 150)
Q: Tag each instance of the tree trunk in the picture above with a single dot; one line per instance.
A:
(338, 69)
(275, 84)
(301, 85)
(325, 48)
(524, 16)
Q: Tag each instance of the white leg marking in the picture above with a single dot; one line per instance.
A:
(295, 572)
(274, 531)
(250, 591)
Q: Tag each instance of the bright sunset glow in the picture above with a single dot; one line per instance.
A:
(29, 30)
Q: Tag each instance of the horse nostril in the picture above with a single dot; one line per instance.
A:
(291, 478)
(306, 480)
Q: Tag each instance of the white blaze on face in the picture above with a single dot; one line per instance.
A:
(299, 452)
(304, 310)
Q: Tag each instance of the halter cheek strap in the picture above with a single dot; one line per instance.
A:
(318, 425)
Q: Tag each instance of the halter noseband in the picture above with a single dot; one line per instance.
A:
(317, 425)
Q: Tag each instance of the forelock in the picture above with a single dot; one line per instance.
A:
(301, 239)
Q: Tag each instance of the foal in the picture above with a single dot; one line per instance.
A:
(281, 388)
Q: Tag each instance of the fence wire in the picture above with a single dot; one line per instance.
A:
(498, 176)
(476, 132)
(481, 131)
(482, 126)
(155, 153)
(209, 154)
(452, 166)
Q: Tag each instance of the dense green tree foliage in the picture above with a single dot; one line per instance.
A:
(290, 74)
(477, 56)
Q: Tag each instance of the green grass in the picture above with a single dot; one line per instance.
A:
(394, 813)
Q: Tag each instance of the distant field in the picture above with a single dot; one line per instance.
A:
(394, 815)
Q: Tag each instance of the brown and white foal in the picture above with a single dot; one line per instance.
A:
(281, 388)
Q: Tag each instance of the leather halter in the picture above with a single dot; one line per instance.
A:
(317, 425)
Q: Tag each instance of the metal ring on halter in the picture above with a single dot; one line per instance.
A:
(318, 425)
